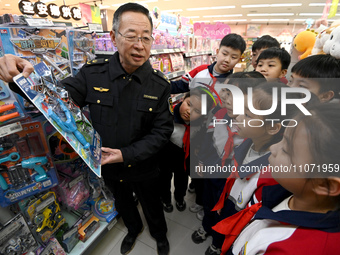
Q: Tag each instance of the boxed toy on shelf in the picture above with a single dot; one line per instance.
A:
(81, 48)
(177, 61)
(16, 237)
(26, 165)
(37, 45)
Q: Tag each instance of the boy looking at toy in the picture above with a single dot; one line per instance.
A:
(260, 45)
(228, 55)
(273, 63)
(320, 75)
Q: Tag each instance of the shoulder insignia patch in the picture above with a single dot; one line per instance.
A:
(160, 74)
(171, 106)
(97, 61)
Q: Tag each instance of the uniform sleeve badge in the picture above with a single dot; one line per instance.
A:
(171, 107)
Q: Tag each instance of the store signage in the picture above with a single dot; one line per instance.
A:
(53, 11)
(40, 8)
(213, 31)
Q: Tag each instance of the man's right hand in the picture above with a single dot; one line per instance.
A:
(11, 65)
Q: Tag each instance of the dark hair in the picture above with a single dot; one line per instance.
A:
(129, 7)
(199, 91)
(265, 42)
(325, 69)
(234, 41)
(265, 102)
(281, 54)
(245, 80)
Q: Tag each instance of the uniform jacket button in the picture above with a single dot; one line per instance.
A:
(98, 101)
(150, 109)
(129, 165)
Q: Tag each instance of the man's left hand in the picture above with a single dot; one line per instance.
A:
(110, 156)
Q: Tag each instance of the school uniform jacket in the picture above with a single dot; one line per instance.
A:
(288, 232)
(246, 189)
(203, 73)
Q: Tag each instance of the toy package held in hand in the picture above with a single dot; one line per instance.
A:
(16, 238)
(55, 104)
(26, 167)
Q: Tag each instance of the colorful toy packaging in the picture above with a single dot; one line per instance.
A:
(37, 45)
(16, 238)
(25, 162)
(54, 103)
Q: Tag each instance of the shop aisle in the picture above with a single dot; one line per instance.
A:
(180, 227)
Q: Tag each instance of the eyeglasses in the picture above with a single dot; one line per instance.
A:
(146, 40)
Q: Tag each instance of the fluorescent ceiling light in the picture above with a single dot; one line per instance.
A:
(138, 2)
(270, 5)
(279, 20)
(211, 8)
(104, 6)
(259, 20)
(310, 14)
(47, 1)
(198, 21)
(192, 17)
(174, 10)
(230, 20)
(7, 5)
(219, 16)
(269, 14)
(318, 4)
(302, 20)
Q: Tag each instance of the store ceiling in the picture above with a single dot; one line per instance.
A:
(231, 10)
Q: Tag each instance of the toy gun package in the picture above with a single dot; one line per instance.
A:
(55, 104)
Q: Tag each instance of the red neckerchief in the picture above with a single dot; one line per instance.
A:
(229, 145)
(232, 226)
(186, 144)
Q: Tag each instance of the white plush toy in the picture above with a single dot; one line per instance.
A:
(321, 38)
(332, 45)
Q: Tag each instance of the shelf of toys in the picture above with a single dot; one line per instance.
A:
(49, 151)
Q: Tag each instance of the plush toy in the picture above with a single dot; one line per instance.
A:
(304, 42)
(332, 45)
(320, 41)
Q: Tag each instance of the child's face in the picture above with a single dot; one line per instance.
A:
(190, 108)
(281, 156)
(226, 59)
(312, 85)
(255, 55)
(255, 130)
(229, 104)
(271, 68)
(224, 94)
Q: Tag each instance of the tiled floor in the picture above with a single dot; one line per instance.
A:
(180, 227)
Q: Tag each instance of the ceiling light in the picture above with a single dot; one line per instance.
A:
(104, 6)
(202, 21)
(47, 1)
(279, 20)
(270, 14)
(314, 14)
(192, 17)
(230, 20)
(259, 20)
(174, 10)
(7, 5)
(318, 4)
(270, 5)
(226, 15)
(211, 8)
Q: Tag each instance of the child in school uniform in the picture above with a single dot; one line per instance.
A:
(245, 184)
(214, 150)
(273, 64)
(175, 157)
(320, 74)
(306, 218)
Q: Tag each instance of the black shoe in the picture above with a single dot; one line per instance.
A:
(168, 207)
(128, 243)
(163, 247)
(181, 206)
(191, 188)
(199, 236)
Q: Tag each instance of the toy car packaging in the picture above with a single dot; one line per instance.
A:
(45, 216)
(54, 103)
(26, 167)
(16, 238)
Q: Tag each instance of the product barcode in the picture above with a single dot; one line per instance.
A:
(14, 128)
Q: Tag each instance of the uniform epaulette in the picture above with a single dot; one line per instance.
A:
(97, 61)
(162, 75)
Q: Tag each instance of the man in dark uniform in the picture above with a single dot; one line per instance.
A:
(130, 107)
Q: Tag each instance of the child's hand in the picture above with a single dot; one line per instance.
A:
(219, 211)
(110, 156)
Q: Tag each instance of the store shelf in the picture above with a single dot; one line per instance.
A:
(86, 248)
(175, 74)
(164, 51)
(193, 54)
(102, 52)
